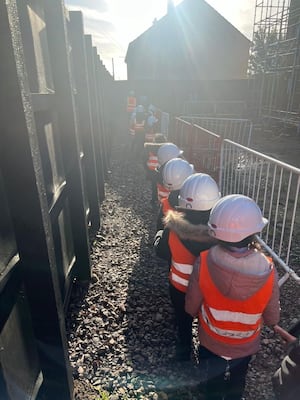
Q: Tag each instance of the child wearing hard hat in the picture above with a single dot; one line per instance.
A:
(166, 152)
(174, 174)
(197, 196)
(233, 290)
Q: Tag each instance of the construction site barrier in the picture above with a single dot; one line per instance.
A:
(201, 147)
(54, 142)
(236, 129)
(215, 109)
(274, 185)
(164, 123)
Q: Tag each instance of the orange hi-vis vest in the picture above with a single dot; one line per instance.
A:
(166, 206)
(150, 135)
(139, 127)
(152, 162)
(162, 192)
(182, 263)
(131, 103)
(227, 320)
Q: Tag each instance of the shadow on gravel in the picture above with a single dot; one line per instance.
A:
(150, 336)
(121, 332)
(150, 333)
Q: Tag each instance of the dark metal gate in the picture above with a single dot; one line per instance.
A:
(53, 161)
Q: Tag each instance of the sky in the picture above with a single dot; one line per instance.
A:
(113, 24)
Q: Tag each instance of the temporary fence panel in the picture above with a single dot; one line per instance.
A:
(20, 372)
(67, 201)
(102, 109)
(84, 118)
(201, 147)
(231, 109)
(48, 189)
(274, 185)
(237, 130)
(205, 151)
(164, 123)
(19, 359)
(96, 119)
(34, 356)
(195, 107)
(181, 134)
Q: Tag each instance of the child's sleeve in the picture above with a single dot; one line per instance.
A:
(159, 224)
(193, 296)
(271, 314)
(161, 245)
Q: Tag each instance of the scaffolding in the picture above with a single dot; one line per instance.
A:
(275, 60)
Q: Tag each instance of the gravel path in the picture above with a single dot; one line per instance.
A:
(121, 330)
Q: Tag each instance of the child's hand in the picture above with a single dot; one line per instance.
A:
(285, 335)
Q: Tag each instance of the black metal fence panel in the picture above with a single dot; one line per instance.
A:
(52, 170)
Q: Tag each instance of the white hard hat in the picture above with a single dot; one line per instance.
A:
(175, 172)
(151, 108)
(235, 217)
(140, 108)
(166, 152)
(198, 192)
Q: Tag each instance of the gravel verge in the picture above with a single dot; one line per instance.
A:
(121, 328)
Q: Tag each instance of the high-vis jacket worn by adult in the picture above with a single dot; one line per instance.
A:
(139, 126)
(131, 103)
(227, 320)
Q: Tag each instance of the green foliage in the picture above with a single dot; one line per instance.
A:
(264, 46)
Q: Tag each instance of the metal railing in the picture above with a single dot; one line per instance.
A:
(201, 147)
(274, 185)
(164, 123)
(236, 129)
(221, 108)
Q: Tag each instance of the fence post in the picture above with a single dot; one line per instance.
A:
(95, 114)
(83, 110)
(191, 135)
(221, 160)
(102, 98)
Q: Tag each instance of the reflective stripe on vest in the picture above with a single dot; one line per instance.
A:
(182, 263)
(150, 136)
(226, 333)
(162, 192)
(131, 104)
(139, 126)
(152, 162)
(228, 320)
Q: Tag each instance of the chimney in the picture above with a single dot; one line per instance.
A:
(171, 6)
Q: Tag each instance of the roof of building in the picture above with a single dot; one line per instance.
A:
(198, 14)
